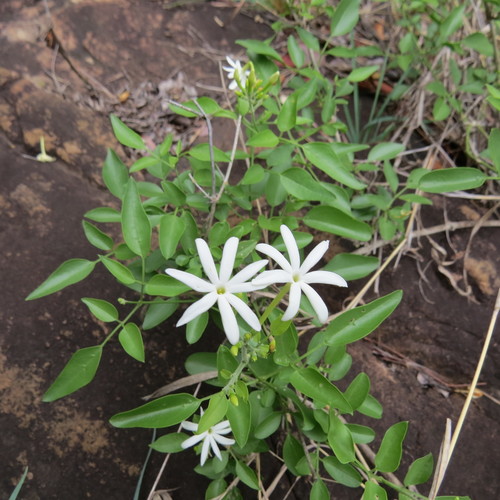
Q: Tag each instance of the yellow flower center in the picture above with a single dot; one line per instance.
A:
(221, 290)
(296, 277)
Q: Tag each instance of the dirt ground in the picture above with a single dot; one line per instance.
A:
(120, 55)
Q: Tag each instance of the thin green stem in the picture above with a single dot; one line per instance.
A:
(274, 303)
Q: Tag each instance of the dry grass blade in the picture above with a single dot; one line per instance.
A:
(180, 384)
(447, 451)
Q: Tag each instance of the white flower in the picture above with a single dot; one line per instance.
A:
(221, 288)
(235, 73)
(210, 438)
(298, 275)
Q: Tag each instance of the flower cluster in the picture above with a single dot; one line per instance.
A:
(222, 289)
(236, 74)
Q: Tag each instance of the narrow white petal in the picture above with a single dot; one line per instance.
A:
(189, 426)
(204, 450)
(214, 446)
(199, 307)
(233, 85)
(269, 277)
(227, 261)
(223, 427)
(247, 272)
(243, 288)
(231, 62)
(229, 323)
(293, 302)
(325, 277)
(193, 440)
(291, 247)
(223, 440)
(316, 301)
(314, 257)
(207, 261)
(190, 280)
(244, 311)
(278, 257)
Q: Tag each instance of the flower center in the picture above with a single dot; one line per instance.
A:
(296, 277)
(221, 290)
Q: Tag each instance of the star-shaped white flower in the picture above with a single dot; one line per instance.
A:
(298, 275)
(235, 73)
(221, 288)
(210, 438)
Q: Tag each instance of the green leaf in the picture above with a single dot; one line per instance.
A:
(131, 340)
(292, 455)
(288, 114)
(452, 179)
(268, 426)
(196, 327)
(319, 491)
(68, 273)
(362, 74)
(420, 470)
(158, 312)
(373, 491)
(103, 214)
(201, 362)
(96, 237)
(480, 43)
(264, 139)
(371, 407)
(351, 266)
(118, 270)
(247, 475)
(340, 440)
(385, 151)
(78, 372)
(114, 174)
(296, 53)
(101, 309)
(162, 412)
(260, 47)
(315, 386)
(202, 152)
(170, 233)
(240, 419)
(389, 454)
(451, 24)
(391, 176)
(345, 17)
(342, 473)
(170, 443)
(216, 411)
(441, 110)
(165, 286)
(144, 162)
(126, 135)
(361, 434)
(303, 186)
(136, 227)
(323, 157)
(359, 322)
(17, 489)
(332, 220)
(358, 390)
(416, 198)
(494, 148)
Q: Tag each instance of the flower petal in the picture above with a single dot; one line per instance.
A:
(207, 261)
(291, 247)
(223, 427)
(316, 301)
(247, 272)
(314, 257)
(193, 440)
(199, 307)
(278, 257)
(229, 323)
(242, 288)
(244, 311)
(325, 277)
(223, 440)
(190, 280)
(269, 277)
(204, 449)
(227, 261)
(293, 302)
(213, 445)
(189, 426)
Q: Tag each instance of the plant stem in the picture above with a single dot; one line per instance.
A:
(274, 303)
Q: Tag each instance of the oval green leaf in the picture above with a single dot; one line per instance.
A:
(216, 411)
(247, 475)
(114, 174)
(385, 151)
(68, 273)
(126, 135)
(78, 372)
(118, 270)
(420, 470)
(389, 454)
(340, 440)
(163, 412)
(240, 419)
(345, 17)
(351, 266)
(101, 309)
(452, 179)
(158, 312)
(287, 116)
(342, 473)
(96, 237)
(359, 322)
(171, 230)
(170, 443)
(165, 286)
(131, 340)
(196, 327)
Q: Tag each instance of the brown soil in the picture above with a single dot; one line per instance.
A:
(62, 87)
